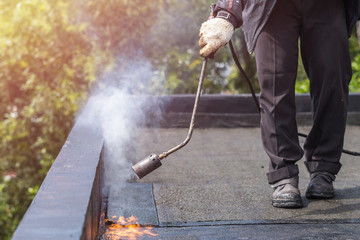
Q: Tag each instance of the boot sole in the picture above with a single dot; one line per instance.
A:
(287, 204)
(317, 195)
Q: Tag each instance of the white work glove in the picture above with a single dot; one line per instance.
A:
(214, 34)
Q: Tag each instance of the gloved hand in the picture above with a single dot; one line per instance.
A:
(214, 34)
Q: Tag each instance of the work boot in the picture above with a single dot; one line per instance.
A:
(321, 186)
(286, 193)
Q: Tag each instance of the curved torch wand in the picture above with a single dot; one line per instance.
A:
(152, 162)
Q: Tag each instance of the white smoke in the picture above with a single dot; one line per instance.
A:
(118, 107)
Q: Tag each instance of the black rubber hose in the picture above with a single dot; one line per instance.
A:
(236, 60)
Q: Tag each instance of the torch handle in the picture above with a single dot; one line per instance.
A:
(192, 122)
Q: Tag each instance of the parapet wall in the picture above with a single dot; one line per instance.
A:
(68, 203)
(231, 111)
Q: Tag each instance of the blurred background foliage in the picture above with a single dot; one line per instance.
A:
(52, 51)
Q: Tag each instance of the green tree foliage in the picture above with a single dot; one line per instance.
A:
(44, 69)
(172, 47)
(118, 26)
(49, 56)
(355, 81)
(355, 57)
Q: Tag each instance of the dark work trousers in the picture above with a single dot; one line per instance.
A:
(320, 26)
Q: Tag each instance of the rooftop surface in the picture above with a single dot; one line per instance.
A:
(216, 188)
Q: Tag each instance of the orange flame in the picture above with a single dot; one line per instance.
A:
(126, 228)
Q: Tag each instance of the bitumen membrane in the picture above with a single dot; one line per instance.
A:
(216, 188)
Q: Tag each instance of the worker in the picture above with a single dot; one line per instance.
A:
(272, 29)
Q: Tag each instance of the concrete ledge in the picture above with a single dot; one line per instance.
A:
(229, 110)
(68, 203)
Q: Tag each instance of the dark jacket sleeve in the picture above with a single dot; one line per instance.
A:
(230, 10)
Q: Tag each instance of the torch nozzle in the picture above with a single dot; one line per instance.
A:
(146, 166)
